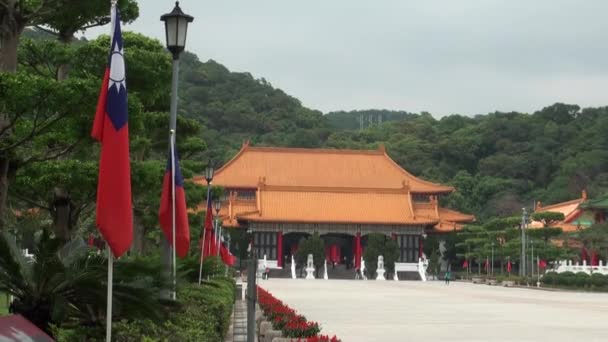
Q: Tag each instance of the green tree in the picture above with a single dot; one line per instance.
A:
(312, 245)
(380, 244)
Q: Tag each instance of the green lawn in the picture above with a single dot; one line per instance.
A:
(3, 304)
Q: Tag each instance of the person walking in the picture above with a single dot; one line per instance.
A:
(448, 275)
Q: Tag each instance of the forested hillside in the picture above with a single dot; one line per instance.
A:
(499, 162)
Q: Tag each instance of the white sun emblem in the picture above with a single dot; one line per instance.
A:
(117, 68)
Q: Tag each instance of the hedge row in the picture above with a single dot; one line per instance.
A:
(202, 313)
(576, 280)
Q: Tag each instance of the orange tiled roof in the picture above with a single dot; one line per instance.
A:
(446, 226)
(454, 216)
(318, 168)
(570, 209)
(339, 205)
(333, 205)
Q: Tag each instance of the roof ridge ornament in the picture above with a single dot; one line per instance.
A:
(584, 194)
(246, 143)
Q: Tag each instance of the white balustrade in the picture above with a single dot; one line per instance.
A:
(566, 266)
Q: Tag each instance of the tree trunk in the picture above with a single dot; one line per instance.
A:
(9, 41)
(4, 167)
(62, 214)
(139, 235)
(63, 71)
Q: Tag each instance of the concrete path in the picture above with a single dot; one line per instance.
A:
(415, 311)
(237, 332)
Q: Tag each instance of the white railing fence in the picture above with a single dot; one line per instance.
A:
(568, 266)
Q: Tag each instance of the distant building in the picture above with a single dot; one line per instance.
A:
(574, 216)
(284, 194)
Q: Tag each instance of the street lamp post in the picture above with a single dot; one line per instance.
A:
(208, 177)
(532, 258)
(176, 26)
(217, 205)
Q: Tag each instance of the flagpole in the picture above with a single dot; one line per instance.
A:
(110, 255)
(200, 269)
(219, 236)
(172, 132)
(109, 296)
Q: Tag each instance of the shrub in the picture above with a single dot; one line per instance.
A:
(312, 245)
(212, 267)
(380, 244)
(566, 279)
(599, 280)
(549, 278)
(581, 279)
(202, 313)
(66, 284)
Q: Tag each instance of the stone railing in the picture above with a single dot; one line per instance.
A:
(419, 267)
(567, 266)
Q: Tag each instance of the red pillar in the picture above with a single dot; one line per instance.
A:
(280, 248)
(358, 250)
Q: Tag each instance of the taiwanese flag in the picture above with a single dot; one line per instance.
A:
(209, 243)
(165, 213)
(509, 266)
(114, 209)
(542, 264)
(465, 264)
(226, 256)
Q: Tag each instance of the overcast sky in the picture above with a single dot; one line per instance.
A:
(451, 56)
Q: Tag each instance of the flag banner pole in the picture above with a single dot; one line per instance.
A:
(200, 269)
(203, 246)
(173, 213)
(219, 234)
(109, 296)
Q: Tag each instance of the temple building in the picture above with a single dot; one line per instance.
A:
(575, 217)
(283, 194)
(579, 213)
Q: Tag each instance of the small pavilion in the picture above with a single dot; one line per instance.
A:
(284, 194)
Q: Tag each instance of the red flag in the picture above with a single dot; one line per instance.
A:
(465, 264)
(209, 245)
(509, 266)
(114, 211)
(227, 258)
(584, 255)
(542, 264)
(595, 260)
(165, 213)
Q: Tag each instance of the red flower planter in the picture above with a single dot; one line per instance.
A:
(284, 318)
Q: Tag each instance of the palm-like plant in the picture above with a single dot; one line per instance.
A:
(65, 284)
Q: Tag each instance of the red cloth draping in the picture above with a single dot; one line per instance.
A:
(358, 250)
(280, 249)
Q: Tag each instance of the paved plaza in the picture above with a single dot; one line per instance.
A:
(416, 311)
